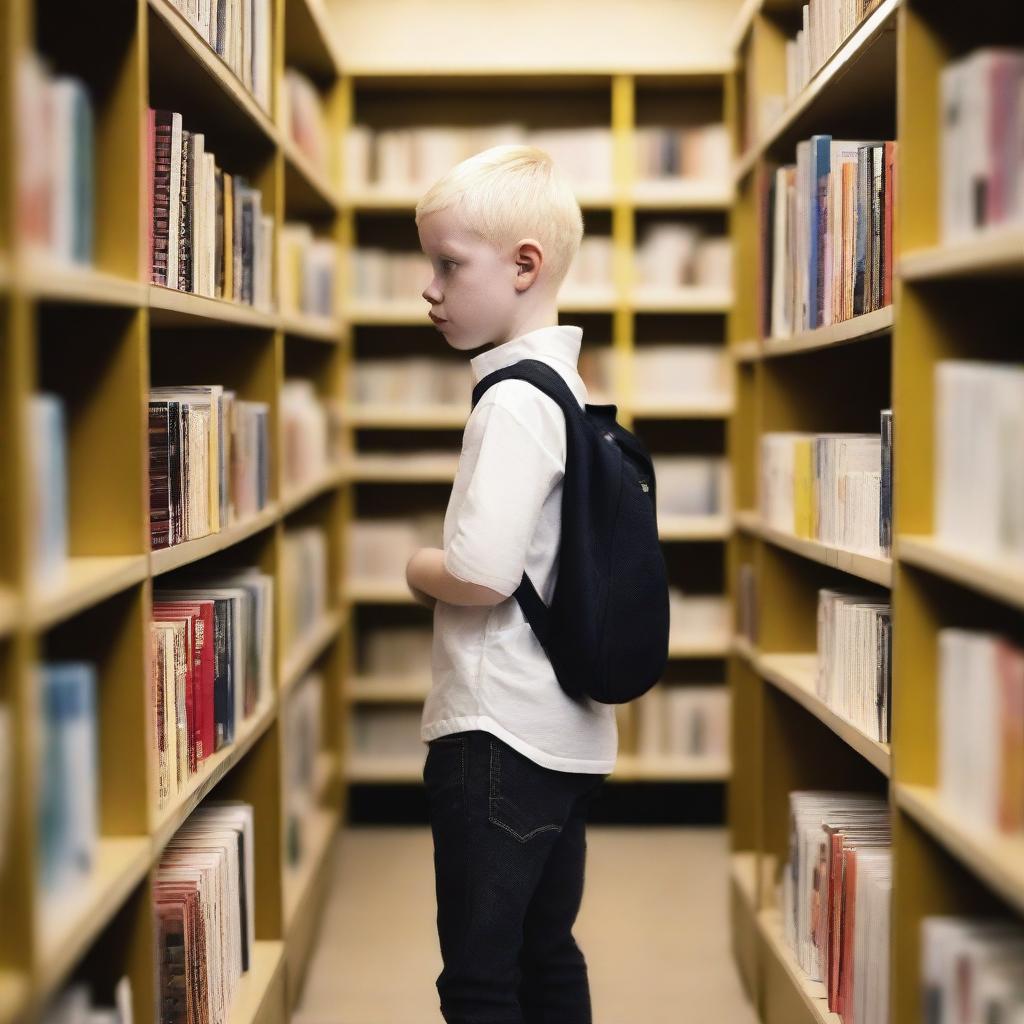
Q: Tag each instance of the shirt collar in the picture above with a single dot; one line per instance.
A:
(561, 343)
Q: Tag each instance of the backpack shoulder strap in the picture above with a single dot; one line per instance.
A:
(537, 373)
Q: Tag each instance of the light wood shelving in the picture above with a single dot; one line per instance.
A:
(950, 301)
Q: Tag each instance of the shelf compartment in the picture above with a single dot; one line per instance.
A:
(998, 252)
(309, 648)
(858, 328)
(87, 582)
(256, 986)
(306, 185)
(394, 469)
(84, 285)
(166, 559)
(995, 858)
(307, 492)
(794, 675)
(866, 567)
(312, 328)
(996, 579)
(427, 417)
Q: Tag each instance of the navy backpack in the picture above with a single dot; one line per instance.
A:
(606, 630)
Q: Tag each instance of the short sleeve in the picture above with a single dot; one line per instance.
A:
(512, 478)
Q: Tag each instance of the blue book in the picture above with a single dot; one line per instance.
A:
(821, 151)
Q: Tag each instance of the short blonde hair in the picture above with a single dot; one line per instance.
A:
(511, 192)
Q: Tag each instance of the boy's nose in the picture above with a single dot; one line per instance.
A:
(432, 293)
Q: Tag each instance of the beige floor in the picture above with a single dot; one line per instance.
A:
(654, 928)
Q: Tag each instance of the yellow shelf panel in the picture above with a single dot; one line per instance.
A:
(14, 989)
(711, 408)
(427, 417)
(67, 931)
(171, 308)
(866, 567)
(318, 831)
(215, 68)
(299, 660)
(795, 675)
(858, 328)
(995, 858)
(312, 180)
(636, 768)
(399, 689)
(748, 520)
(398, 469)
(744, 648)
(255, 985)
(681, 647)
(1001, 580)
(86, 582)
(997, 252)
(213, 769)
(306, 493)
(748, 351)
(685, 299)
(811, 993)
(378, 592)
(312, 328)
(77, 284)
(311, 38)
(677, 528)
(174, 557)
(864, 62)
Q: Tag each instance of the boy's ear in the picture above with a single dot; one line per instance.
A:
(529, 260)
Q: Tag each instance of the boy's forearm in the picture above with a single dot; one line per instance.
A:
(426, 572)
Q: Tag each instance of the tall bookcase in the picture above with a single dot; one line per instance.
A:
(949, 301)
(620, 320)
(100, 337)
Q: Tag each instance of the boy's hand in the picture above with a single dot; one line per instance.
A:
(411, 573)
(429, 581)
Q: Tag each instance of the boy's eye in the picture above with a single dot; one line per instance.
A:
(447, 265)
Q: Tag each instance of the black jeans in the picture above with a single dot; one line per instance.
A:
(509, 852)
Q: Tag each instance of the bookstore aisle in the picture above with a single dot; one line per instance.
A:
(656, 940)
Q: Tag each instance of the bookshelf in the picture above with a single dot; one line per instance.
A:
(99, 336)
(951, 301)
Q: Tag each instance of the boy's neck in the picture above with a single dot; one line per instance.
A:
(543, 316)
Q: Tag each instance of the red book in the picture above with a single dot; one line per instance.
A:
(163, 613)
(844, 1004)
(889, 171)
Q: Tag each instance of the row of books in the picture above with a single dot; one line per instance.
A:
(208, 232)
(980, 159)
(240, 31)
(308, 272)
(981, 728)
(305, 119)
(827, 24)
(593, 267)
(411, 380)
(662, 371)
(311, 433)
(979, 476)
(212, 657)
(414, 158)
(56, 163)
(971, 970)
(854, 670)
(828, 244)
(395, 651)
(48, 486)
(76, 1004)
(692, 485)
(69, 784)
(684, 721)
(699, 151)
(383, 275)
(833, 488)
(208, 461)
(836, 899)
(303, 713)
(380, 548)
(704, 619)
(304, 583)
(205, 906)
(673, 253)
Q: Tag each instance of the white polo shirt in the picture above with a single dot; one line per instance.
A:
(504, 516)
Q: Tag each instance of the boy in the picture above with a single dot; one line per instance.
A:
(512, 762)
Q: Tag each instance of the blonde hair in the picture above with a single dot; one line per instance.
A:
(511, 192)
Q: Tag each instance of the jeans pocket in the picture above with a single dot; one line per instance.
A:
(524, 798)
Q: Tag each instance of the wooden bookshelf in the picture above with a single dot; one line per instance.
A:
(950, 301)
(99, 336)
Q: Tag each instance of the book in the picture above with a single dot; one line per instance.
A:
(48, 487)
(302, 716)
(307, 272)
(684, 721)
(304, 584)
(692, 485)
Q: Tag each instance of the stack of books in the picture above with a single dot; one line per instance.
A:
(204, 899)
(701, 151)
(971, 969)
(396, 651)
(379, 549)
(380, 275)
(979, 160)
(212, 656)
(979, 475)
(684, 721)
(305, 122)
(303, 582)
(48, 486)
(415, 381)
(830, 487)
(209, 233)
(701, 619)
(836, 898)
(68, 771)
(855, 659)
(311, 429)
(692, 485)
(672, 254)
(405, 159)
(56, 164)
(309, 267)
(668, 372)
(301, 744)
(241, 33)
(981, 728)
(208, 461)
(828, 252)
